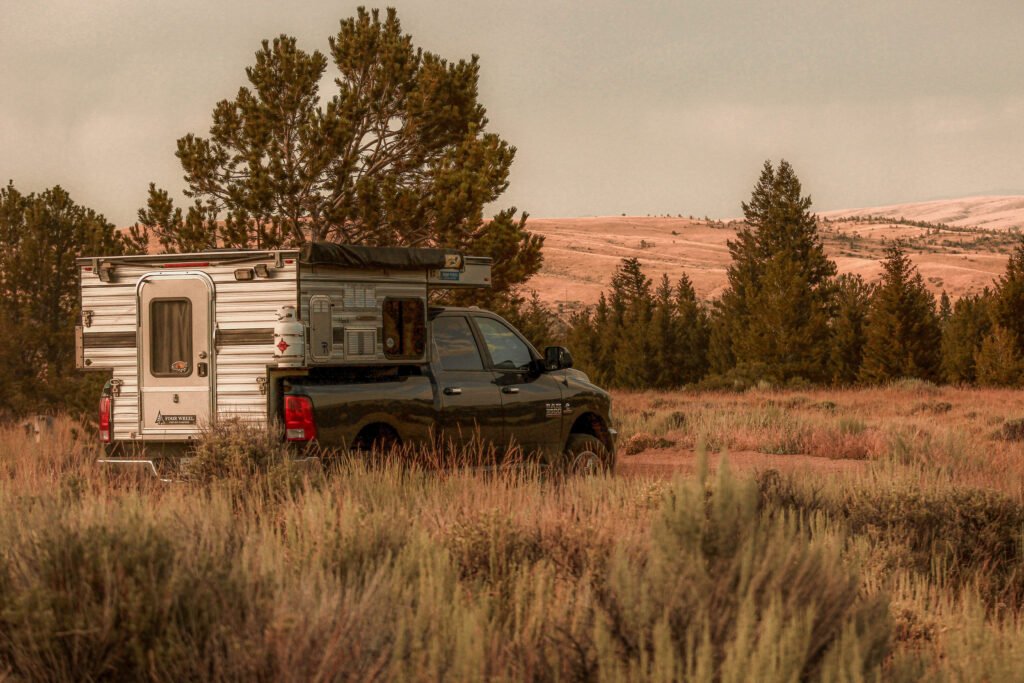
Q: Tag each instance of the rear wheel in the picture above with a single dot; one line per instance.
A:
(376, 443)
(586, 455)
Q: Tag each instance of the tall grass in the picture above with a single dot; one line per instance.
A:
(257, 569)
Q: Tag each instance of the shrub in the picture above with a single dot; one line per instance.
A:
(116, 598)
(1012, 430)
(638, 443)
(727, 591)
(234, 449)
(975, 536)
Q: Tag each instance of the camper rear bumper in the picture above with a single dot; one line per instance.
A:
(145, 450)
(142, 467)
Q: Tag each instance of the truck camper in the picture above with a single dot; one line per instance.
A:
(336, 343)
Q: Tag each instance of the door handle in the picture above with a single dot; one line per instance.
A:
(201, 367)
(510, 390)
(453, 391)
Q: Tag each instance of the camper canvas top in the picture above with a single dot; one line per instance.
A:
(445, 267)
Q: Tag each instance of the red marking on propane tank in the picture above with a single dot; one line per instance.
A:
(282, 345)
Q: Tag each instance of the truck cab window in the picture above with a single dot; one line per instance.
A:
(405, 328)
(454, 344)
(170, 337)
(508, 352)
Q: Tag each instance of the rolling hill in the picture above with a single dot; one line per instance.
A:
(959, 245)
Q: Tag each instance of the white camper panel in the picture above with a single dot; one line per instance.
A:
(244, 314)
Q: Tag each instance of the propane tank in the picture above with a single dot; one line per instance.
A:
(289, 339)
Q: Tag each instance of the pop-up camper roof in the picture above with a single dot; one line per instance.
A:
(398, 258)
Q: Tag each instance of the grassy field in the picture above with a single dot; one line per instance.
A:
(908, 568)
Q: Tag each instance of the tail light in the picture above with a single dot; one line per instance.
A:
(298, 419)
(105, 419)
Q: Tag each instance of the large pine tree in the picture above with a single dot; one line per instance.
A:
(903, 334)
(398, 154)
(775, 311)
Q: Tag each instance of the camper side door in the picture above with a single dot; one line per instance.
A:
(175, 353)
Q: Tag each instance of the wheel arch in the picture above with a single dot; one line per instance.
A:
(371, 432)
(592, 424)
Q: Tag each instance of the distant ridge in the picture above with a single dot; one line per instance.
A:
(994, 212)
(580, 254)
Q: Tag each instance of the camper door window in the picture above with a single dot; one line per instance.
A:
(170, 337)
(405, 328)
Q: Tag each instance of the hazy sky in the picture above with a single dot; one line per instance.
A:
(635, 107)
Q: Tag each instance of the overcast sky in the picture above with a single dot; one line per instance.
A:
(615, 107)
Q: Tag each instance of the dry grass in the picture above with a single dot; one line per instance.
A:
(971, 435)
(259, 570)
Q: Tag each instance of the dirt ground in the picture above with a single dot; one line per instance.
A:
(668, 462)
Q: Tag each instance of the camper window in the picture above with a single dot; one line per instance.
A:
(170, 337)
(405, 328)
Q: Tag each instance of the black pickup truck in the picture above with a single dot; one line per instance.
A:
(483, 383)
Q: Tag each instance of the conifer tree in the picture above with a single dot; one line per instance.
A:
(848, 327)
(537, 322)
(398, 154)
(962, 335)
(1008, 297)
(776, 308)
(664, 330)
(40, 237)
(632, 305)
(998, 362)
(593, 343)
(721, 358)
(582, 339)
(691, 336)
(903, 335)
(606, 328)
(945, 308)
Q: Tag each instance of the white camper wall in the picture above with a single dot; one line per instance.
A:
(110, 338)
(247, 308)
(244, 316)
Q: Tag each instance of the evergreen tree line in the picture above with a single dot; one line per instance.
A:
(40, 236)
(787, 318)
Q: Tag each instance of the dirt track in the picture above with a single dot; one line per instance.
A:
(667, 462)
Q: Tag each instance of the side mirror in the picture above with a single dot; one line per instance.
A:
(557, 358)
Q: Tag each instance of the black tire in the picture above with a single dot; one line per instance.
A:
(374, 448)
(587, 456)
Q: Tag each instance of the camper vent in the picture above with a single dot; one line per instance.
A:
(360, 343)
(360, 297)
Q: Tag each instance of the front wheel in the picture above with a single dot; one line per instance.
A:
(586, 455)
